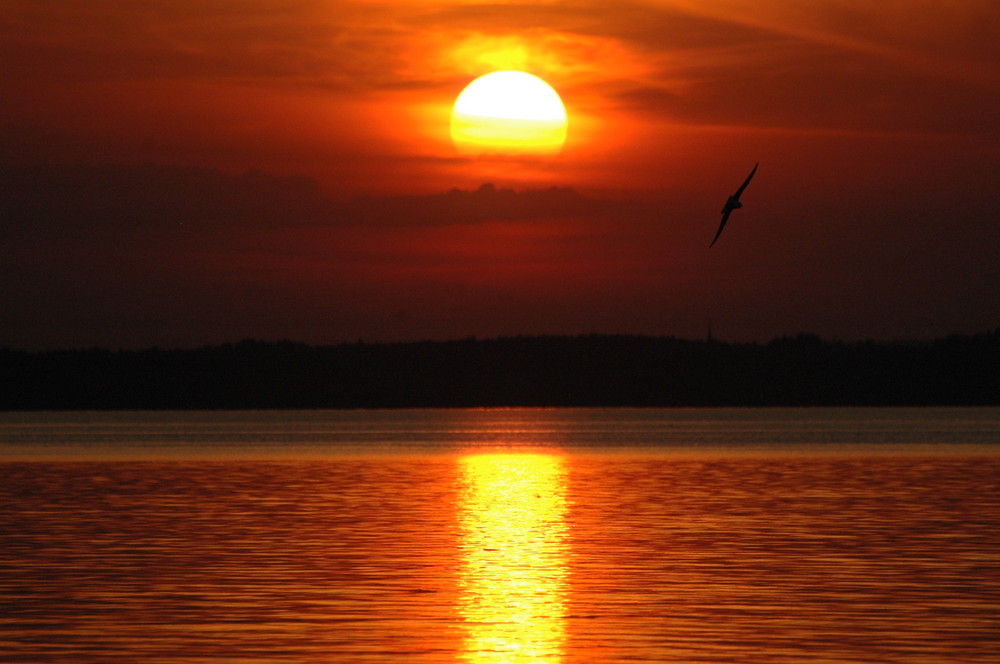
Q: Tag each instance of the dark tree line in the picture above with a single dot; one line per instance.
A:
(595, 370)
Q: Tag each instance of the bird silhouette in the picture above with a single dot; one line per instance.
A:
(732, 203)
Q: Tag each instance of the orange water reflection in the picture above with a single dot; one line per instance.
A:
(513, 580)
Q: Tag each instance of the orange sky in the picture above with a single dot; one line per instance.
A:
(872, 215)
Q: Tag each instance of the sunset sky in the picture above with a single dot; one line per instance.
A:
(184, 173)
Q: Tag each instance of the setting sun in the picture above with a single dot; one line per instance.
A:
(508, 113)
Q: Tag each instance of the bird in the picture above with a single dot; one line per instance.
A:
(732, 203)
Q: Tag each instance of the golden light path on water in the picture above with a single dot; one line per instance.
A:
(513, 581)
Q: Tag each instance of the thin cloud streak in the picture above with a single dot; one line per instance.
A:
(955, 39)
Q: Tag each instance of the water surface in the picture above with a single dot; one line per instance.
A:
(507, 536)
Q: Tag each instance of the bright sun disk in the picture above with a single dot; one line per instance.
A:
(508, 113)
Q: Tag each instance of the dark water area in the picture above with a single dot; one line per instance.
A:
(501, 536)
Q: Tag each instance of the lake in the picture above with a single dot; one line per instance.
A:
(501, 536)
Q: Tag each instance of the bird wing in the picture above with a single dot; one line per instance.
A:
(732, 204)
(746, 182)
(725, 218)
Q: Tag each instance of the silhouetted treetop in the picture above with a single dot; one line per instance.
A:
(592, 370)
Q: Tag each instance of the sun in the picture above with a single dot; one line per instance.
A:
(510, 113)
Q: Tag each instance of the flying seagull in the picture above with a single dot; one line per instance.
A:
(732, 204)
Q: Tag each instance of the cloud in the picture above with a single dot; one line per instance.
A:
(114, 200)
(109, 200)
(829, 65)
(832, 65)
(346, 46)
(956, 39)
(113, 253)
(487, 203)
(285, 86)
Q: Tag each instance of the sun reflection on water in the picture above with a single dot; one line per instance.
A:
(513, 580)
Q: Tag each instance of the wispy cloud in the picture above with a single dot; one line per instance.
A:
(955, 39)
